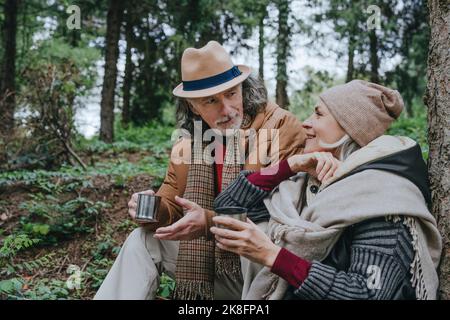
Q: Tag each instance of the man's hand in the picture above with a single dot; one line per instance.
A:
(132, 205)
(191, 226)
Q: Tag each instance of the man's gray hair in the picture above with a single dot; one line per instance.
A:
(254, 97)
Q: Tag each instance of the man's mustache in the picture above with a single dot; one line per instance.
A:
(226, 119)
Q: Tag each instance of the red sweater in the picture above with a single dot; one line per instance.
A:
(287, 265)
(218, 158)
(268, 178)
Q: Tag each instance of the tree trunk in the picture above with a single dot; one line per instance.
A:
(113, 22)
(75, 37)
(351, 58)
(437, 98)
(282, 54)
(410, 92)
(261, 44)
(8, 70)
(374, 63)
(128, 71)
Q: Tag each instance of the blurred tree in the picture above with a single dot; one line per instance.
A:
(8, 68)
(347, 20)
(52, 126)
(283, 47)
(164, 29)
(351, 58)
(2, 21)
(399, 43)
(55, 75)
(129, 66)
(384, 39)
(248, 16)
(437, 99)
(92, 19)
(261, 37)
(150, 82)
(408, 74)
(374, 61)
(304, 100)
(368, 44)
(113, 22)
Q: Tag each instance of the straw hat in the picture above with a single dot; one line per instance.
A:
(208, 71)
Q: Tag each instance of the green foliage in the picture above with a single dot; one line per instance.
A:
(51, 219)
(97, 271)
(41, 289)
(154, 140)
(38, 229)
(153, 137)
(126, 225)
(103, 254)
(152, 166)
(414, 128)
(409, 75)
(166, 286)
(54, 75)
(304, 100)
(36, 177)
(46, 289)
(57, 52)
(10, 287)
(29, 266)
(105, 248)
(14, 243)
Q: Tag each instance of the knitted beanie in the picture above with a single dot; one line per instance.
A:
(364, 110)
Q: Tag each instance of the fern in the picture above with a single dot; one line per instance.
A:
(14, 243)
(32, 265)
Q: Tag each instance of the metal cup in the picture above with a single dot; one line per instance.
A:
(147, 207)
(238, 213)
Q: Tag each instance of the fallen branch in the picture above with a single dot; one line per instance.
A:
(73, 154)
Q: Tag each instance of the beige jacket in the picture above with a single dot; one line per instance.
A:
(291, 141)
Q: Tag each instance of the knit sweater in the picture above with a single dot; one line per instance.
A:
(380, 253)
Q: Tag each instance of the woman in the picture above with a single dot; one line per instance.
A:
(350, 221)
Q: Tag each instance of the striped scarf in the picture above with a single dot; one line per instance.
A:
(199, 261)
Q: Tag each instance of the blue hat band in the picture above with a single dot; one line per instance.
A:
(213, 81)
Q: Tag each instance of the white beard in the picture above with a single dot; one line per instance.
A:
(236, 125)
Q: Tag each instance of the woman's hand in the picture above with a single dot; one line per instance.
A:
(190, 227)
(246, 240)
(321, 165)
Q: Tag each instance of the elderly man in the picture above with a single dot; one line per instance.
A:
(217, 95)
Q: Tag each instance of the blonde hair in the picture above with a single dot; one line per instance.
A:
(343, 147)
